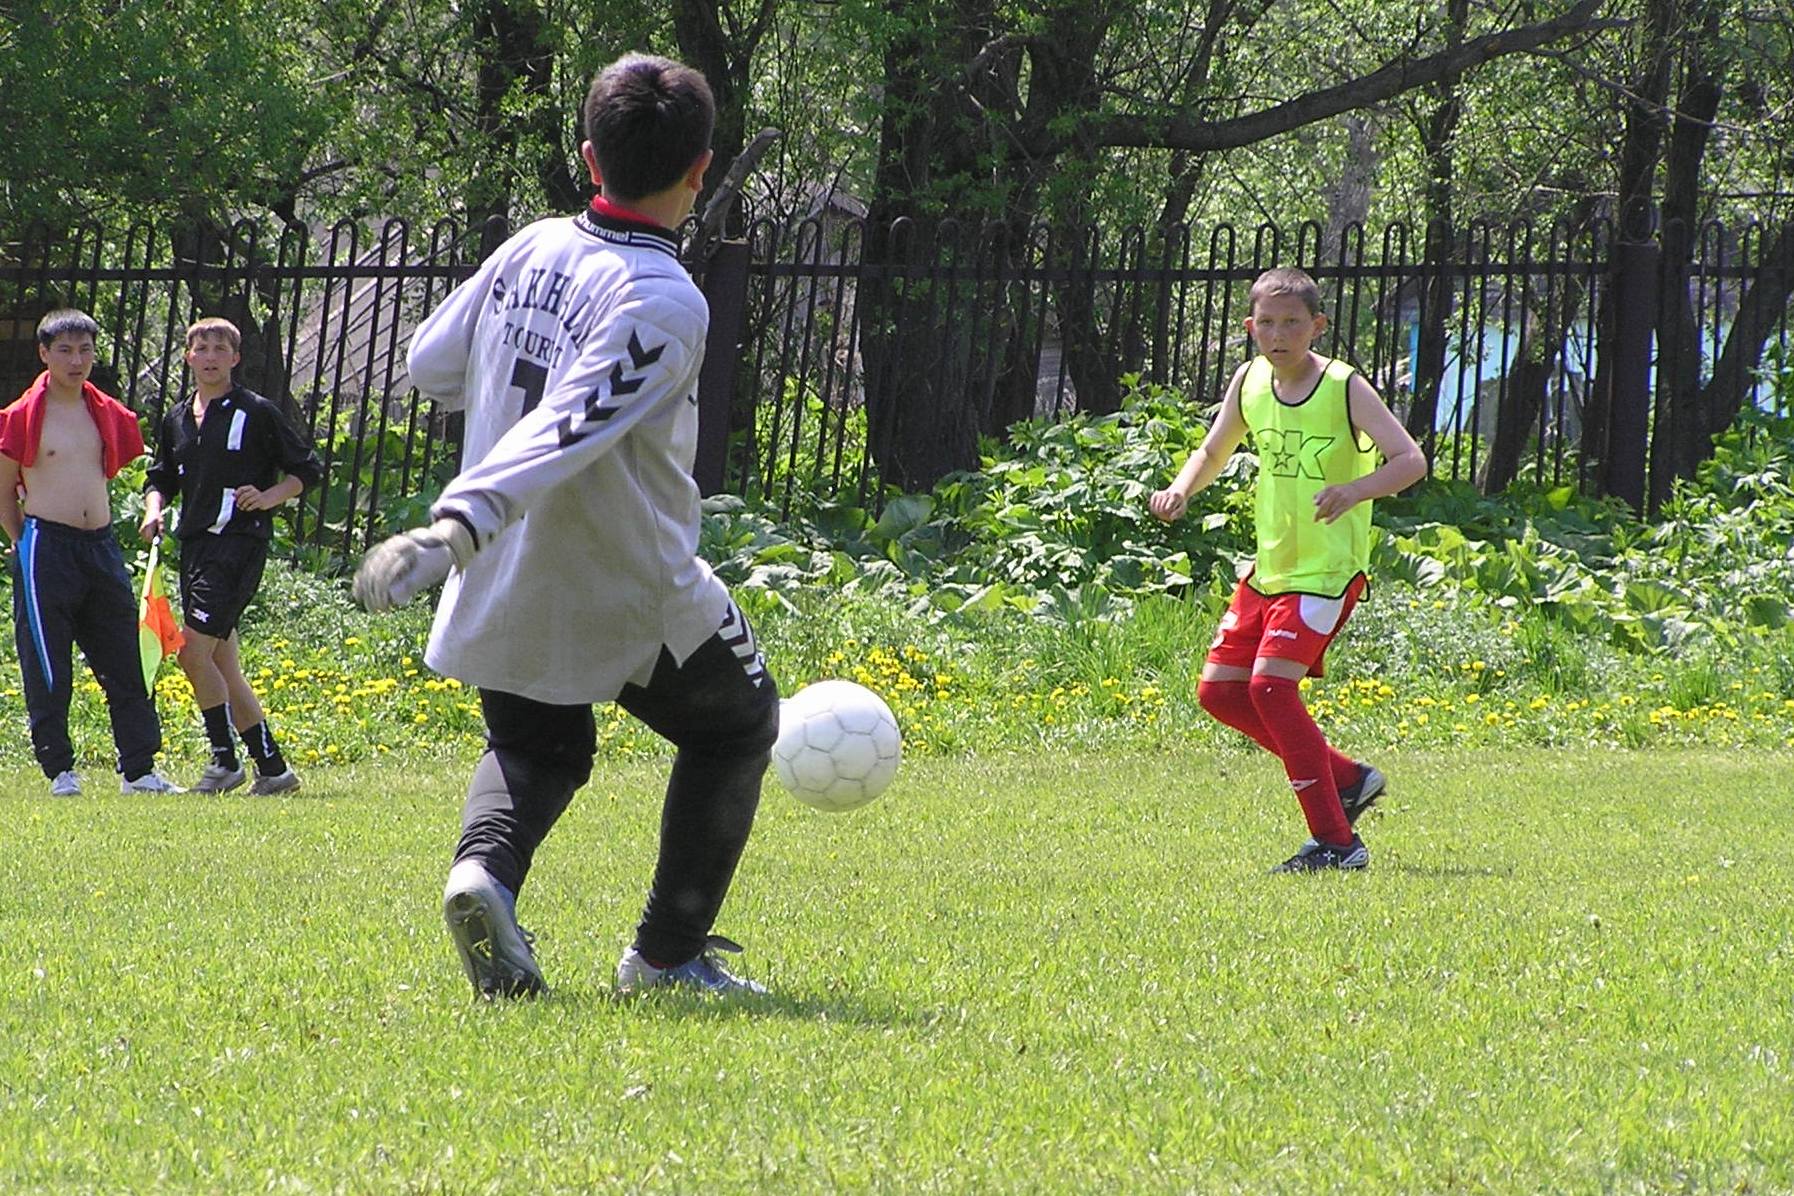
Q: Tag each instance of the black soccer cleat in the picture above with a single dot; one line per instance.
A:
(1361, 794)
(1325, 857)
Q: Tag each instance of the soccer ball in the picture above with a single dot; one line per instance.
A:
(838, 745)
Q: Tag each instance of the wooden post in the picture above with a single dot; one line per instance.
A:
(1635, 304)
(725, 287)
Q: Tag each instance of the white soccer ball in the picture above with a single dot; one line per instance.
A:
(838, 745)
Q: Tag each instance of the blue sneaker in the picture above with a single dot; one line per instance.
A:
(1361, 794)
(495, 951)
(1315, 856)
(705, 974)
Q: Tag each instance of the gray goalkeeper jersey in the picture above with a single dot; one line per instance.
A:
(575, 352)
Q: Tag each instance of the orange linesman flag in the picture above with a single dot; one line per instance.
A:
(157, 633)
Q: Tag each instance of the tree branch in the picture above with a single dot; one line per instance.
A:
(716, 211)
(1186, 133)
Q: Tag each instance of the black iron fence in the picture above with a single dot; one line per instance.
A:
(845, 359)
(876, 358)
(325, 315)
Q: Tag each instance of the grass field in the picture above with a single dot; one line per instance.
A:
(1566, 971)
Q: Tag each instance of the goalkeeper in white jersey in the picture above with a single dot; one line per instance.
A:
(568, 543)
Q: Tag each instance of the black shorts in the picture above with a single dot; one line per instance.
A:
(219, 575)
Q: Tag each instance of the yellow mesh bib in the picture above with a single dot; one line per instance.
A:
(1302, 448)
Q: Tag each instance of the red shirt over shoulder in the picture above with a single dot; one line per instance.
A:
(22, 426)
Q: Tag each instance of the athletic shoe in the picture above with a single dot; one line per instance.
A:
(1323, 857)
(1361, 794)
(280, 782)
(218, 778)
(66, 784)
(149, 782)
(495, 951)
(705, 974)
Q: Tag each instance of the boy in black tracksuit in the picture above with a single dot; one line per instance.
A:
(60, 443)
(231, 456)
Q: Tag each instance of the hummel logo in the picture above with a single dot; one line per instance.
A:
(639, 356)
(1281, 633)
(620, 384)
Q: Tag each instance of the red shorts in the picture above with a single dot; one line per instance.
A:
(1288, 626)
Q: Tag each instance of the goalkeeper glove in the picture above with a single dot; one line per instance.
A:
(400, 567)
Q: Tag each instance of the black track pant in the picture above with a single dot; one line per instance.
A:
(69, 587)
(720, 709)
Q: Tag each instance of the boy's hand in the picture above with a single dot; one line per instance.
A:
(150, 528)
(1169, 504)
(401, 567)
(1334, 501)
(250, 499)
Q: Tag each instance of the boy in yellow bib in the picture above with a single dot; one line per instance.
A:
(1318, 427)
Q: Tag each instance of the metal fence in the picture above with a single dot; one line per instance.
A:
(845, 359)
(1501, 348)
(325, 315)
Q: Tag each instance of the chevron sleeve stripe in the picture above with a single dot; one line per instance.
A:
(644, 359)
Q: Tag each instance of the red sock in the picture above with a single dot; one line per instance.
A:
(1304, 752)
(1230, 702)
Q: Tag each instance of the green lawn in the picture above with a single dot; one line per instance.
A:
(1566, 971)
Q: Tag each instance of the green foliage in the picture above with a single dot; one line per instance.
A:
(1055, 522)
(349, 496)
(1535, 615)
(1715, 568)
(1062, 505)
(172, 107)
(804, 447)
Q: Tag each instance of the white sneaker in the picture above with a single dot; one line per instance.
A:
(495, 951)
(66, 784)
(149, 782)
(218, 779)
(705, 974)
(280, 782)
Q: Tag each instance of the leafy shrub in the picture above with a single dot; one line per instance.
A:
(1717, 567)
(803, 447)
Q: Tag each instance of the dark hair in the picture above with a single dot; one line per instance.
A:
(216, 326)
(65, 321)
(1285, 280)
(648, 120)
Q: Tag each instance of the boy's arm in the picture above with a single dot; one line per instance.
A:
(437, 357)
(1403, 462)
(1209, 459)
(251, 498)
(293, 456)
(11, 517)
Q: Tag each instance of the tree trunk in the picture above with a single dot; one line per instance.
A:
(917, 424)
(1762, 305)
(1641, 147)
(726, 59)
(513, 46)
(1682, 439)
(1438, 128)
(1094, 368)
(1529, 381)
